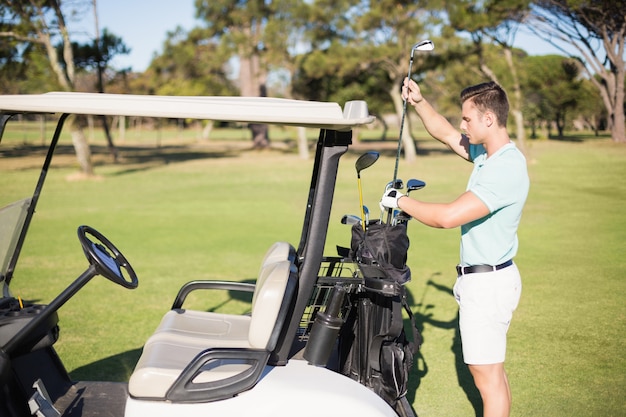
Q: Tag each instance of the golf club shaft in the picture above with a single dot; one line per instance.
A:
(395, 170)
(361, 202)
(404, 105)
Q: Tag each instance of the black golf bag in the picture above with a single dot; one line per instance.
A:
(374, 347)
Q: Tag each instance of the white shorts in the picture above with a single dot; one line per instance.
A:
(486, 305)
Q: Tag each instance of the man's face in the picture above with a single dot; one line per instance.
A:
(472, 123)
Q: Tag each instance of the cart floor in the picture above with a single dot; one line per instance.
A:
(94, 399)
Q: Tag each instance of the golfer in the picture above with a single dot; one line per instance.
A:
(488, 285)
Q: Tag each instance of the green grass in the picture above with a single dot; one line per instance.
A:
(194, 212)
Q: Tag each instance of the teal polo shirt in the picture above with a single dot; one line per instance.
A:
(501, 182)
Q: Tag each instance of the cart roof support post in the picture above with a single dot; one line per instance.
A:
(331, 145)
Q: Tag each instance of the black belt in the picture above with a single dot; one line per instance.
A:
(464, 270)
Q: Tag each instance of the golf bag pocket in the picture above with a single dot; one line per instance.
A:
(396, 358)
(381, 251)
(375, 349)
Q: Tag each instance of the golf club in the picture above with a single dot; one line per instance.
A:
(401, 218)
(350, 219)
(414, 185)
(365, 161)
(411, 185)
(426, 45)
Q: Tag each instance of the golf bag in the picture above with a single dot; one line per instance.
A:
(381, 251)
(374, 347)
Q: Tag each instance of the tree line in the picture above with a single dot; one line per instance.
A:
(344, 50)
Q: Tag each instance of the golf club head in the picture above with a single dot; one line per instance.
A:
(423, 46)
(401, 217)
(366, 160)
(350, 219)
(396, 184)
(414, 184)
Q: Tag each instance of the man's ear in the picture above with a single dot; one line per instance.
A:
(490, 118)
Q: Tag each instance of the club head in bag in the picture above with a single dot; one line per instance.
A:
(414, 185)
(400, 218)
(365, 161)
(350, 219)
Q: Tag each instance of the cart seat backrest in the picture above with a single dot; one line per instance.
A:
(279, 251)
(268, 298)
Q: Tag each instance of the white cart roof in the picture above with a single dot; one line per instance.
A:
(234, 109)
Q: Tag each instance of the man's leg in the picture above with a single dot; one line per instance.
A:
(493, 384)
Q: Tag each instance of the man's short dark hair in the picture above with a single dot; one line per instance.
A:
(488, 96)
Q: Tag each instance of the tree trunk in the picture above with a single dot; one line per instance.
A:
(81, 146)
(303, 145)
(517, 102)
(252, 84)
(618, 131)
(105, 125)
(206, 131)
(122, 128)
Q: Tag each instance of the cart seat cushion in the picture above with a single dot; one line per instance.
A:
(203, 328)
(168, 352)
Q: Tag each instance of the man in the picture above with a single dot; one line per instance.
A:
(488, 286)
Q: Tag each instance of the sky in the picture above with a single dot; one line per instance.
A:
(143, 25)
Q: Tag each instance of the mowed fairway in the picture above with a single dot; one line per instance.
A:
(186, 211)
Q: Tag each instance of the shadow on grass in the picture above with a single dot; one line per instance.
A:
(420, 366)
(116, 368)
(579, 138)
(136, 158)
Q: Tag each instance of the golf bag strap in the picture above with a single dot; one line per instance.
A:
(394, 331)
(397, 325)
(415, 344)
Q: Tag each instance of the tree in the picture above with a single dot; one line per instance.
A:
(257, 34)
(597, 30)
(591, 109)
(556, 84)
(498, 21)
(96, 56)
(189, 65)
(369, 42)
(42, 24)
(12, 67)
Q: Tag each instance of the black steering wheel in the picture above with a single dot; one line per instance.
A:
(105, 257)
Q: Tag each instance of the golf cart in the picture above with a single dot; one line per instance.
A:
(294, 348)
